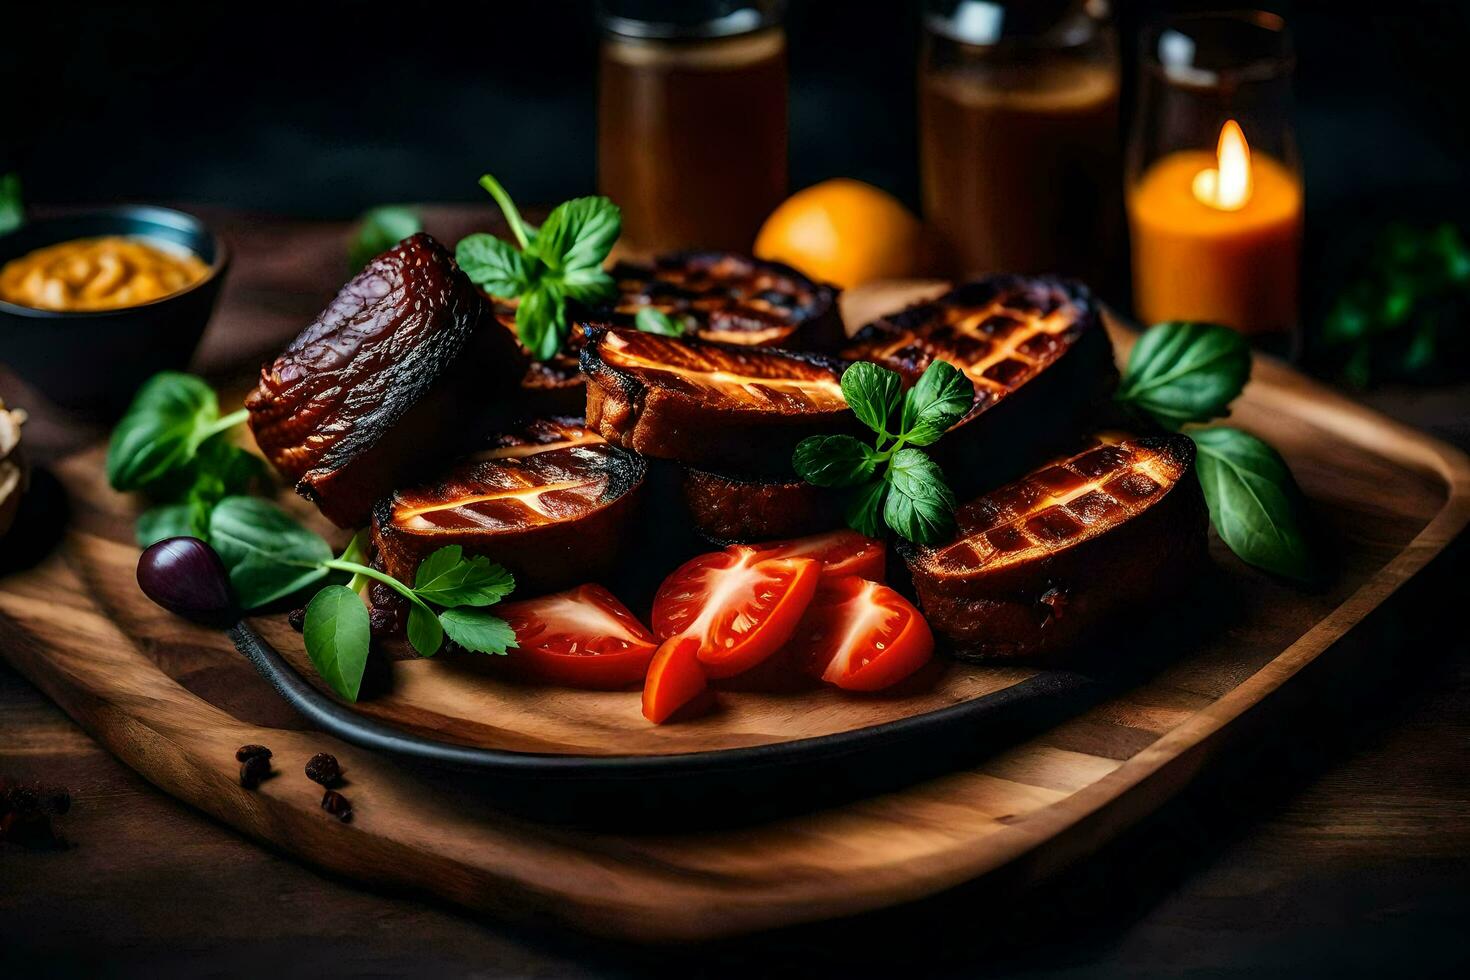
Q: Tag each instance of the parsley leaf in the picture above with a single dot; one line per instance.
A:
(478, 631)
(579, 233)
(493, 264)
(338, 637)
(447, 578)
(541, 321)
(864, 511)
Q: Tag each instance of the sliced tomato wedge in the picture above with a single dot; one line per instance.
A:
(583, 637)
(675, 678)
(843, 552)
(740, 605)
(861, 636)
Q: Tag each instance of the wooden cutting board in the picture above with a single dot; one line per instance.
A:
(174, 701)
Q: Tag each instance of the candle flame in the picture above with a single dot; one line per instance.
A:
(1227, 188)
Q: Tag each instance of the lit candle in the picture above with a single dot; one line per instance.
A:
(1216, 237)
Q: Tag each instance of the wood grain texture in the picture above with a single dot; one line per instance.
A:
(173, 701)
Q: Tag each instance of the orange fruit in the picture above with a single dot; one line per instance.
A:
(845, 232)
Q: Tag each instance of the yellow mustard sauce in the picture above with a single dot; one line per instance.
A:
(97, 274)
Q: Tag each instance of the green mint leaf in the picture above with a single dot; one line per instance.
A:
(1185, 372)
(338, 637)
(424, 632)
(834, 461)
(525, 234)
(477, 630)
(864, 510)
(378, 230)
(541, 321)
(12, 207)
(650, 320)
(446, 578)
(920, 505)
(268, 555)
(588, 286)
(161, 430)
(578, 234)
(169, 521)
(1254, 502)
(493, 264)
(940, 398)
(873, 394)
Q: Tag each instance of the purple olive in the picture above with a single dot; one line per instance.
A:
(185, 576)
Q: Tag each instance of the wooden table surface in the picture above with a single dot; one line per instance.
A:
(1349, 853)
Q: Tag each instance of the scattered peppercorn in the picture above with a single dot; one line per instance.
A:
(323, 768)
(253, 770)
(297, 619)
(337, 805)
(246, 752)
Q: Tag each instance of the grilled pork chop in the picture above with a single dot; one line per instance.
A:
(1037, 352)
(710, 405)
(727, 508)
(372, 388)
(730, 299)
(718, 296)
(551, 502)
(1068, 549)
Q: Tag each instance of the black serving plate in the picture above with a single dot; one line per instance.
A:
(93, 362)
(744, 783)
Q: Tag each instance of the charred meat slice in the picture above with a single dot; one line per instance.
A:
(1067, 551)
(1039, 356)
(379, 382)
(730, 299)
(551, 502)
(710, 405)
(727, 508)
(552, 387)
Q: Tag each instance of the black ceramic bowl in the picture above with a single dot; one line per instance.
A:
(94, 361)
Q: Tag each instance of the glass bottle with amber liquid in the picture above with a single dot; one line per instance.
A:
(1020, 150)
(692, 120)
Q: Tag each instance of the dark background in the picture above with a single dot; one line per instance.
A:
(324, 109)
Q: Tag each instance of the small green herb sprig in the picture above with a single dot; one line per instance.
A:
(1180, 374)
(172, 445)
(891, 482)
(12, 206)
(1403, 316)
(560, 261)
(379, 229)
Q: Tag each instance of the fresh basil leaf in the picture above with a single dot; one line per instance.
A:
(168, 418)
(920, 505)
(493, 264)
(268, 555)
(446, 578)
(477, 630)
(650, 320)
(1185, 372)
(579, 233)
(865, 508)
(338, 636)
(873, 394)
(425, 634)
(1253, 500)
(541, 321)
(834, 461)
(12, 207)
(378, 230)
(940, 398)
(169, 521)
(588, 286)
